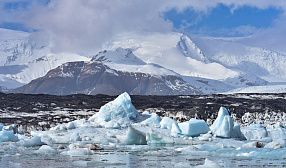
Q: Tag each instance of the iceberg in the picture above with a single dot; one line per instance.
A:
(223, 125)
(194, 127)
(154, 138)
(154, 120)
(135, 137)
(117, 112)
(34, 141)
(8, 136)
(45, 149)
(166, 123)
(255, 131)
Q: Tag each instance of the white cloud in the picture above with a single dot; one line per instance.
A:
(82, 25)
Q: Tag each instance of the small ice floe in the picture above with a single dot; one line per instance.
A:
(194, 127)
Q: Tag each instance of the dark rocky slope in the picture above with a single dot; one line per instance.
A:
(96, 78)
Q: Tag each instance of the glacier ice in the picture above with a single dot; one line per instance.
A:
(45, 149)
(175, 128)
(166, 123)
(254, 131)
(135, 137)
(223, 125)
(8, 136)
(194, 127)
(154, 120)
(117, 112)
(158, 139)
(34, 141)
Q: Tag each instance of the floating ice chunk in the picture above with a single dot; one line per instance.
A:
(279, 143)
(205, 137)
(175, 128)
(255, 131)
(45, 149)
(75, 137)
(119, 111)
(226, 127)
(154, 120)
(135, 137)
(194, 127)
(166, 123)
(254, 144)
(34, 141)
(8, 136)
(78, 152)
(158, 139)
(12, 127)
(70, 125)
(273, 145)
(59, 127)
(1, 127)
(277, 133)
(209, 163)
(236, 132)
(223, 125)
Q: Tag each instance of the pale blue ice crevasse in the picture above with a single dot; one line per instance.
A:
(117, 113)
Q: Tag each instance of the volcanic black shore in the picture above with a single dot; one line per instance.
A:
(40, 111)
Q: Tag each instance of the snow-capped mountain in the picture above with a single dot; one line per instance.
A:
(22, 60)
(208, 65)
(266, 64)
(97, 78)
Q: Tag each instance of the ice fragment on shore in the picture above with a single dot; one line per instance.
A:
(135, 137)
(194, 127)
(119, 111)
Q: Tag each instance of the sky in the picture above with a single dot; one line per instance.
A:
(81, 25)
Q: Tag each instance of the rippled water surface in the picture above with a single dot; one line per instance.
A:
(16, 156)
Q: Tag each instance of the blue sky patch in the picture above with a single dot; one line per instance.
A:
(220, 21)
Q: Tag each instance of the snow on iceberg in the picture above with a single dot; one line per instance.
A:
(194, 127)
(254, 131)
(117, 112)
(135, 137)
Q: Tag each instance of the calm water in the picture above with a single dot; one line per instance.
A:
(11, 156)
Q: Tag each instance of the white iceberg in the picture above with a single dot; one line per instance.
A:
(194, 127)
(154, 120)
(117, 112)
(34, 141)
(8, 136)
(255, 131)
(166, 123)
